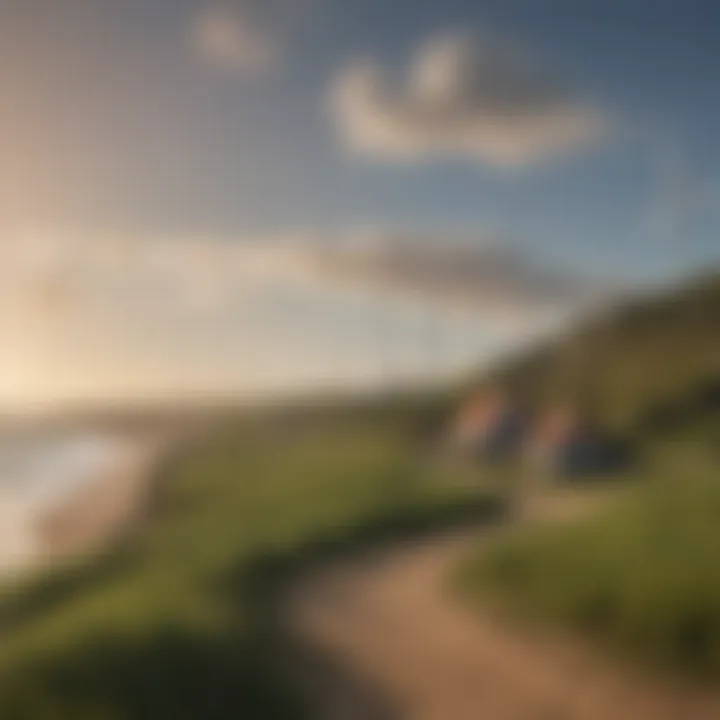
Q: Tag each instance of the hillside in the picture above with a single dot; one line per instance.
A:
(641, 577)
(635, 367)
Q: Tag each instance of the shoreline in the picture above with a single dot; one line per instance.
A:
(97, 513)
(103, 512)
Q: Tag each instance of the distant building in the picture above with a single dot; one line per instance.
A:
(490, 426)
(569, 445)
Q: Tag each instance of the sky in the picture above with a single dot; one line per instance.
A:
(579, 133)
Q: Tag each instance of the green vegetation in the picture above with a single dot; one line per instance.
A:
(640, 367)
(181, 622)
(641, 577)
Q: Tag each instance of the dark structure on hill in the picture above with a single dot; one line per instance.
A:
(491, 427)
(570, 446)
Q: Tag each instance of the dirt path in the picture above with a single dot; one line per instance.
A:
(394, 645)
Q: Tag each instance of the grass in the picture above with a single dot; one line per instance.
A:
(180, 623)
(652, 361)
(640, 578)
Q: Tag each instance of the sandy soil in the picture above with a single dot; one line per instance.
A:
(387, 641)
(104, 510)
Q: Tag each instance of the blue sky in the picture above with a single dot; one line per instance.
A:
(118, 119)
(154, 152)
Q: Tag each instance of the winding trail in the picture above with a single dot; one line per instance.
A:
(384, 641)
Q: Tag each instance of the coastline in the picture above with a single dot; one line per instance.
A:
(103, 512)
(80, 520)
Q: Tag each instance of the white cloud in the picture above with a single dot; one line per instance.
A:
(231, 40)
(84, 318)
(462, 97)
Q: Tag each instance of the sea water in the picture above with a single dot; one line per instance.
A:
(40, 470)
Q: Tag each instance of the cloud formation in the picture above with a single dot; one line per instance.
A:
(459, 272)
(466, 97)
(85, 318)
(231, 40)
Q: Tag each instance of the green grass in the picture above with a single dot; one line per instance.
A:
(181, 622)
(653, 361)
(641, 578)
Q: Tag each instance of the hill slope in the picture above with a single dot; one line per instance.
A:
(642, 576)
(635, 366)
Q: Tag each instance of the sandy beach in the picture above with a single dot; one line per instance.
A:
(79, 497)
(102, 511)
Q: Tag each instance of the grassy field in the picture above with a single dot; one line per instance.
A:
(639, 579)
(642, 577)
(180, 622)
